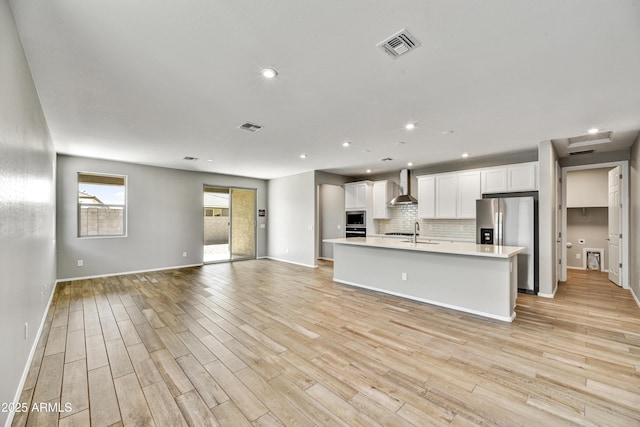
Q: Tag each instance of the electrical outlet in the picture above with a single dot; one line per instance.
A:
(45, 287)
(286, 251)
(578, 256)
(184, 254)
(339, 226)
(404, 276)
(26, 330)
(263, 225)
(80, 263)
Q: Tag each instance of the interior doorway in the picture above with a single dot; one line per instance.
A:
(229, 216)
(590, 213)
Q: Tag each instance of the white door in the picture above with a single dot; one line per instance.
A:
(614, 224)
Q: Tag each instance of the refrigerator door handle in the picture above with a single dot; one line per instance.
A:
(500, 229)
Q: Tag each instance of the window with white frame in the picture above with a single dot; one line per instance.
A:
(102, 207)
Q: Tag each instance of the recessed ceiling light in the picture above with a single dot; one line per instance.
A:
(269, 73)
(593, 131)
(346, 144)
(303, 156)
(410, 126)
(465, 155)
(400, 143)
(447, 132)
(368, 170)
(209, 160)
(409, 164)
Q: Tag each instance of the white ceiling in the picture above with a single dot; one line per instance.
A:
(153, 81)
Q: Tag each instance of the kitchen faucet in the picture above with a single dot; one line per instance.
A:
(416, 228)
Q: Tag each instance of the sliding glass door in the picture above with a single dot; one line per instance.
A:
(229, 224)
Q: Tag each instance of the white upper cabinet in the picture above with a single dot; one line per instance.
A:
(446, 195)
(494, 180)
(426, 197)
(355, 196)
(383, 192)
(511, 178)
(522, 177)
(468, 193)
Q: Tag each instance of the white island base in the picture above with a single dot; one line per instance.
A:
(478, 279)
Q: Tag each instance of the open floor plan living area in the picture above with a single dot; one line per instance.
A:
(337, 213)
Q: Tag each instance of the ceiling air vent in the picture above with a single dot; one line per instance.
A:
(576, 153)
(399, 44)
(191, 159)
(386, 159)
(251, 127)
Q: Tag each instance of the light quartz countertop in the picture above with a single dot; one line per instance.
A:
(446, 247)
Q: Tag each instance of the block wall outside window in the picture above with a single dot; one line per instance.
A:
(101, 205)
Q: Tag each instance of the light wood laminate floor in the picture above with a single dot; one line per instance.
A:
(266, 343)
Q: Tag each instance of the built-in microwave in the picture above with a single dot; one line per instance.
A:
(356, 219)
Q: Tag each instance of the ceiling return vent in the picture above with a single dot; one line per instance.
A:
(399, 44)
(591, 139)
(251, 127)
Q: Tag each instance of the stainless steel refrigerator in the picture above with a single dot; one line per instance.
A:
(512, 221)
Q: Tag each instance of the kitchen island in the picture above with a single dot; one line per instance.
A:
(478, 279)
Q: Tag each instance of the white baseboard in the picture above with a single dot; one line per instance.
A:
(25, 372)
(122, 273)
(292, 262)
(551, 295)
(325, 259)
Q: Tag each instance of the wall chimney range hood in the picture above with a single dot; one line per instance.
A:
(404, 198)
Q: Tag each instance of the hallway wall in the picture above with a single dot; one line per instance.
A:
(27, 209)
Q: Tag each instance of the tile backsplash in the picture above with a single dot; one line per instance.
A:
(403, 217)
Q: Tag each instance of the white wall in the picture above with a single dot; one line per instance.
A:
(27, 210)
(292, 219)
(547, 211)
(588, 188)
(332, 217)
(592, 226)
(635, 219)
(165, 218)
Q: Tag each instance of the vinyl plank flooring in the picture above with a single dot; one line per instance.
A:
(143, 365)
(75, 387)
(210, 391)
(49, 381)
(164, 408)
(173, 375)
(266, 343)
(133, 405)
(195, 411)
(118, 358)
(102, 398)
